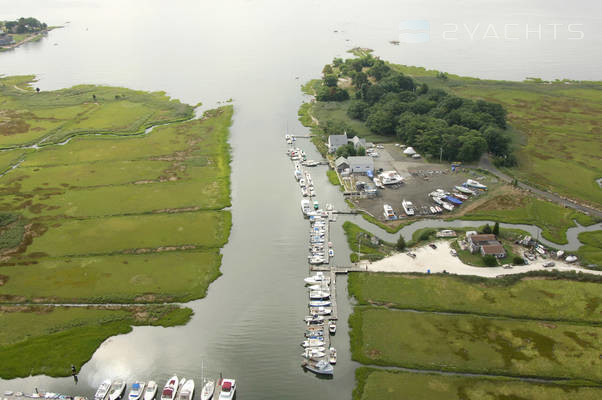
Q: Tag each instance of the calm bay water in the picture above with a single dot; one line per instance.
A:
(258, 53)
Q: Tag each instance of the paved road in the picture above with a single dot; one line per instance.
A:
(485, 163)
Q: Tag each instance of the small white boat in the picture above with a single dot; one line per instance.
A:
(318, 287)
(332, 327)
(475, 184)
(319, 277)
(137, 390)
(570, 259)
(460, 196)
(228, 389)
(187, 390)
(102, 390)
(319, 294)
(314, 318)
(305, 207)
(302, 182)
(319, 303)
(321, 367)
(332, 355)
(208, 389)
(320, 310)
(378, 183)
(151, 390)
(447, 206)
(408, 207)
(170, 388)
(464, 190)
(330, 252)
(117, 389)
(298, 174)
(388, 212)
(312, 343)
(311, 163)
(433, 210)
(310, 354)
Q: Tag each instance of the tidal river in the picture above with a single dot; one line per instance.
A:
(258, 53)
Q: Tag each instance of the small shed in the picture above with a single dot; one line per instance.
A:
(341, 164)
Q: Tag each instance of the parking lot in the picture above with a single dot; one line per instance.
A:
(420, 179)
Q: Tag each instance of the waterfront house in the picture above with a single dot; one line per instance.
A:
(358, 142)
(341, 164)
(336, 141)
(5, 39)
(361, 164)
(486, 244)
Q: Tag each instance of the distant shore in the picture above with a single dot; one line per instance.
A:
(33, 37)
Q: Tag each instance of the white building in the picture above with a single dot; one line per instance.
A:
(361, 164)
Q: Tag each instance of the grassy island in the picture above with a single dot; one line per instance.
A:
(97, 208)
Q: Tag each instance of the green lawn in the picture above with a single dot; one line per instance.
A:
(376, 384)
(359, 239)
(529, 297)
(28, 348)
(476, 344)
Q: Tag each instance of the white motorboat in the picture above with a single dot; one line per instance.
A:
(312, 343)
(314, 318)
(298, 174)
(390, 178)
(570, 259)
(475, 184)
(447, 206)
(151, 390)
(439, 209)
(305, 207)
(137, 390)
(332, 355)
(302, 182)
(317, 260)
(102, 390)
(464, 190)
(320, 310)
(117, 389)
(170, 388)
(330, 252)
(319, 277)
(321, 286)
(228, 389)
(460, 196)
(319, 294)
(187, 390)
(433, 210)
(311, 163)
(389, 213)
(321, 367)
(332, 327)
(319, 303)
(310, 354)
(408, 207)
(378, 183)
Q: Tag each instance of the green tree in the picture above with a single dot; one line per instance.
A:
(358, 109)
(486, 229)
(381, 122)
(401, 243)
(327, 69)
(361, 151)
(496, 229)
(518, 260)
(489, 260)
(359, 79)
(423, 89)
(330, 80)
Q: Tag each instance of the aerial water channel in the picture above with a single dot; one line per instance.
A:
(258, 53)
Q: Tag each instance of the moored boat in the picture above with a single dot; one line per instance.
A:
(319, 294)
(475, 184)
(102, 390)
(117, 389)
(332, 327)
(319, 277)
(332, 355)
(321, 367)
(227, 390)
(319, 303)
(388, 212)
(187, 390)
(464, 190)
(170, 388)
(137, 390)
(151, 390)
(305, 207)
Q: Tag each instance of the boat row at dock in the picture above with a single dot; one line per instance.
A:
(318, 354)
(175, 389)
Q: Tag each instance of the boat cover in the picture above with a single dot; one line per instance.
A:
(453, 200)
(227, 386)
(136, 386)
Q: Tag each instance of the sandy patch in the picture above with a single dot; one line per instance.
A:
(440, 259)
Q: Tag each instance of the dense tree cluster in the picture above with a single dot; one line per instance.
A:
(350, 150)
(431, 120)
(24, 25)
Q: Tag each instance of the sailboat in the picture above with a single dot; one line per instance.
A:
(208, 386)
